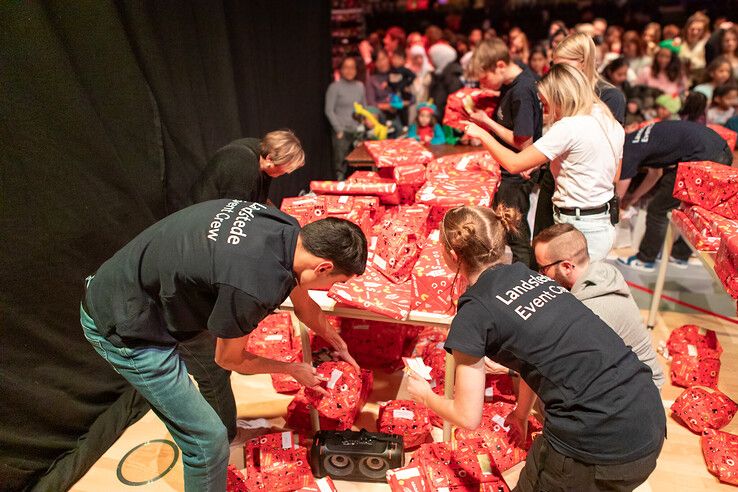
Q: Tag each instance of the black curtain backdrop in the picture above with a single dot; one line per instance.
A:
(108, 112)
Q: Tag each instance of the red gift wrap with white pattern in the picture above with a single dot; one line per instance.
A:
(374, 292)
(456, 113)
(407, 419)
(433, 282)
(494, 432)
(275, 462)
(697, 370)
(710, 185)
(703, 408)
(398, 152)
(274, 339)
(720, 450)
(694, 340)
(726, 263)
(374, 344)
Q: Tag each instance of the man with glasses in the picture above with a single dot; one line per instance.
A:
(561, 250)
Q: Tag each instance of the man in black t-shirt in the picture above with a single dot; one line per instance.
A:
(244, 168)
(220, 266)
(658, 148)
(517, 123)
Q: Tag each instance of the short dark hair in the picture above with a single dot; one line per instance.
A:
(724, 90)
(573, 246)
(339, 241)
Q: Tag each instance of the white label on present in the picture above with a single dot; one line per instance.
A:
(343, 199)
(287, 440)
(435, 235)
(274, 338)
(335, 376)
(692, 350)
(380, 262)
(323, 485)
(404, 474)
(489, 392)
(497, 419)
(373, 242)
(463, 163)
(484, 463)
(443, 489)
(340, 186)
(401, 413)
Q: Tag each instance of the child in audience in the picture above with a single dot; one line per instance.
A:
(400, 81)
(719, 72)
(694, 108)
(426, 128)
(667, 107)
(724, 101)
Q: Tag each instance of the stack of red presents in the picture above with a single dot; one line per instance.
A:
(702, 408)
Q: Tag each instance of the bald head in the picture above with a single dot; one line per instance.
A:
(561, 252)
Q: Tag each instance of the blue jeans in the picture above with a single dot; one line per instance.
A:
(160, 375)
(597, 229)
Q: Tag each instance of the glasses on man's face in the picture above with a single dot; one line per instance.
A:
(542, 270)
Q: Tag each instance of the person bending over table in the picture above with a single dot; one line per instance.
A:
(658, 148)
(604, 420)
(220, 266)
(244, 168)
(561, 253)
(584, 145)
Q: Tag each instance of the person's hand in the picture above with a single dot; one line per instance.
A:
(474, 131)
(479, 117)
(492, 367)
(418, 387)
(307, 375)
(339, 135)
(527, 174)
(340, 349)
(518, 428)
(491, 92)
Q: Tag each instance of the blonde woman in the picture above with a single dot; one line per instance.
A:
(585, 146)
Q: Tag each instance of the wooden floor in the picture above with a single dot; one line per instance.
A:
(680, 467)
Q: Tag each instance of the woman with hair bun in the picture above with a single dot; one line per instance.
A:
(604, 420)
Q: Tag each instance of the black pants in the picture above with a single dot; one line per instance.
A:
(515, 194)
(544, 208)
(341, 148)
(547, 470)
(213, 381)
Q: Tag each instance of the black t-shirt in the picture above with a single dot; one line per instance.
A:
(233, 172)
(221, 265)
(601, 404)
(667, 143)
(520, 111)
(613, 98)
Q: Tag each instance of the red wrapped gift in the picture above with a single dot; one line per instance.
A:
(728, 135)
(435, 358)
(499, 387)
(478, 164)
(384, 187)
(726, 262)
(720, 450)
(407, 479)
(710, 185)
(710, 224)
(374, 292)
(409, 178)
(398, 152)
(457, 192)
(374, 344)
(460, 103)
(305, 209)
(459, 466)
(703, 408)
(407, 419)
(396, 252)
(430, 335)
(689, 371)
(235, 481)
(694, 236)
(275, 462)
(324, 484)
(694, 341)
(433, 283)
(343, 384)
(493, 432)
(274, 339)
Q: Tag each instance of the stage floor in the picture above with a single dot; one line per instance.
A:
(680, 467)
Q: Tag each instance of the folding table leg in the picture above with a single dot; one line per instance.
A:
(307, 357)
(661, 277)
(449, 392)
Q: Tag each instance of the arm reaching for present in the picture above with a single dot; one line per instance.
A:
(514, 162)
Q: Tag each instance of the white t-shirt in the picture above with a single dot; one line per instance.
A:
(582, 161)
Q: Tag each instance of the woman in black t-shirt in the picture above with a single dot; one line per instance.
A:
(604, 422)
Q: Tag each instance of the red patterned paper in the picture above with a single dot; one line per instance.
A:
(374, 292)
(464, 465)
(726, 133)
(385, 187)
(274, 339)
(343, 384)
(275, 462)
(694, 340)
(494, 433)
(703, 408)
(726, 263)
(689, 371)
(457, 192)
(398, 152)
(460, 102)
(499, 387)
(433, 282)
(710, 185)
(374, 344)
(694, 236)
(407, 419)
(430, 335)
(305, 209)
(478, 164)
(407, 479)
(235, 481)
(720, 450)
(710, 224)
(397, 249)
